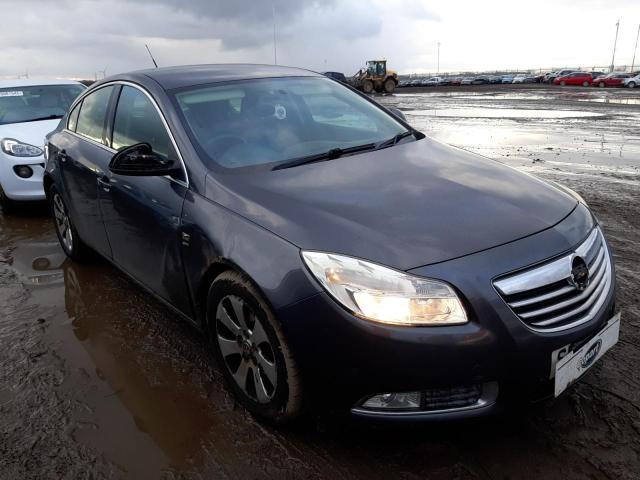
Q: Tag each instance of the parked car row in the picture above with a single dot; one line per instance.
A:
(470, 80)
(594, 79)
(562, 77)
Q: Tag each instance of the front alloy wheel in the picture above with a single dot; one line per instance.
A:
(246, 349)
(251, 349)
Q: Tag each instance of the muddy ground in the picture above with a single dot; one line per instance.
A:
(97, 380)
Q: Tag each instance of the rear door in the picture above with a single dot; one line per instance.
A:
(83, 156)
(142, 214)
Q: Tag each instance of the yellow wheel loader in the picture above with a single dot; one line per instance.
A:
(375, 76)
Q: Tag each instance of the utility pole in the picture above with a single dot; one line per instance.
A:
(633, 62)
(438, 59)
(275, 51)
(615, 43)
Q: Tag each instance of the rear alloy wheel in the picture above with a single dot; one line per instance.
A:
(367, 86)
(585, 84)
(62, 222)
(69, 239)
(389, 85)
(251, 350)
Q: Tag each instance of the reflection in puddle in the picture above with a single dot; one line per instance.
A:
(501, 113)
(146, 396)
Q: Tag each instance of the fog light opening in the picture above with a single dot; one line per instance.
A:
(23, 171)
(394, 401)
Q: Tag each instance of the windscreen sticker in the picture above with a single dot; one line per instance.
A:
(15, 93)
(280, 112)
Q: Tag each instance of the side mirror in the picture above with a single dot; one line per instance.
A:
(398, 113)
(139, 160)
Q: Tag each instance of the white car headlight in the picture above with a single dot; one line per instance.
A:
(385, 295)
(19, 149)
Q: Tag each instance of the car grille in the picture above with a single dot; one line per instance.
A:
(548, 298)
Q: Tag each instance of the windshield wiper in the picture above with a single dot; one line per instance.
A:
(37, 119)
(395, 139)
(328, 155)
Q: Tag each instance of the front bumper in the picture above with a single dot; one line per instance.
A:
(345, 359)
(17, 188)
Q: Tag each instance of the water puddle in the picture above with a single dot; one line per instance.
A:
(616, 101)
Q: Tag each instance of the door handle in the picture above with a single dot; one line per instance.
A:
(104, 183)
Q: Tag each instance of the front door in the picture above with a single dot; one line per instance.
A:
(142, 214)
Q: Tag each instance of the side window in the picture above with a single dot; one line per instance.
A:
(73, 118)
(93, 112)
(138, 121)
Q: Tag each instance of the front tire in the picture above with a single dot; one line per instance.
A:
(601, 85)
(631, 84)
(68, 237)
(251, 350)
(563, 83)
(389, 85)
(367, 86)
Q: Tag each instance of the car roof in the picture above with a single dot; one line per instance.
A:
(189, 75)
(34, 82)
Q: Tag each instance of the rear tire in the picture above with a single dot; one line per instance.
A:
(563, 83)
(601, 85)
(367, 86)
(631, 84)
(389, 85)
(251, 350)
(70, 241)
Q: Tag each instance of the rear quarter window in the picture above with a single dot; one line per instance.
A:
(73, 118)
(93, 113)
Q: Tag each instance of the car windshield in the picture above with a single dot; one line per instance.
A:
(276, 120)
(31, 103)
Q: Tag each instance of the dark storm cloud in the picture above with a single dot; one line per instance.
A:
(85, 35)
(253, 12)
(242, 23)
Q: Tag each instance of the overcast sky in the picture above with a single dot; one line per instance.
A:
(77, 38)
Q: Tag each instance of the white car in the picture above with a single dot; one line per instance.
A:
(518, 79)
(29, 109)
(433, 81)
(632, 82)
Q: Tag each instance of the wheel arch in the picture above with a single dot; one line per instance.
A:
(213, 271)
(47, 181)
(215, 240)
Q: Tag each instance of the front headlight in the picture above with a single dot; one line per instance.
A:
(19, 149)
(384, 295)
